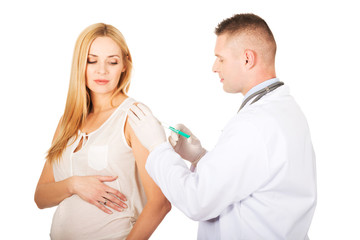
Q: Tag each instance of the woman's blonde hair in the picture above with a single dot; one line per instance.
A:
(78, 103)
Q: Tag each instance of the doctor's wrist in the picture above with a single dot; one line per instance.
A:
(195, 162)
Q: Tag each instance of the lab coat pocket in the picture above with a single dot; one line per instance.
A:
(97, 157)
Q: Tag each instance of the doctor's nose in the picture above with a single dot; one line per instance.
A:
(215, 67)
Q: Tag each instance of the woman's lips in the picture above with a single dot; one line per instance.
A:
(101, 81)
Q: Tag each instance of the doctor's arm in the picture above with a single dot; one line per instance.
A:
(228, 174)
(231, 172)
(157, 205)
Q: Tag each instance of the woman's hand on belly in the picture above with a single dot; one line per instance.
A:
(93, 190)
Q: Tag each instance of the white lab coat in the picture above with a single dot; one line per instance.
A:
(259, 181)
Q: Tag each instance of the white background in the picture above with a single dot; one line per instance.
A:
(172, 45)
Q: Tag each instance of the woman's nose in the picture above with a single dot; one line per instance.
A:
(101, 68)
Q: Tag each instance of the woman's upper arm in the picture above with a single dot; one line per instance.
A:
(152, 191)
(47, 174)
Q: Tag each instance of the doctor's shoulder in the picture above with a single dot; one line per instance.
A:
(250, 121)
(242, 124)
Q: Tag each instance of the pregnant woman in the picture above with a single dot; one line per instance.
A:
(95, 168)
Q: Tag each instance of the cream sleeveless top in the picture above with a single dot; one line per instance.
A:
(104, 152)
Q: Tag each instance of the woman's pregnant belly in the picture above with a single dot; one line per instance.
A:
(77, 219)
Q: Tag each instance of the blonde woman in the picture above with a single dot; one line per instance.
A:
(95, 168)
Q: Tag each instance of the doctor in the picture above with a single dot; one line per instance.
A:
(259, 181)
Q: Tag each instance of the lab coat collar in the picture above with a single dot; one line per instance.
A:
(259, 87)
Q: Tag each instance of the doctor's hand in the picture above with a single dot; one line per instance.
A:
(146, 127)
(188, 148)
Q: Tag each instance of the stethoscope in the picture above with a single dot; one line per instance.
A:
(259, 94)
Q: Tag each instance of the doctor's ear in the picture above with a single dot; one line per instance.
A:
(249, 56)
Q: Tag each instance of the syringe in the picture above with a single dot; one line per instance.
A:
(175, 130)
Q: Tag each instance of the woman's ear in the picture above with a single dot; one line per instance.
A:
(123, 70)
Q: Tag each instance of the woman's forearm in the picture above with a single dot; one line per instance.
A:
(52, 193)
(150, 217)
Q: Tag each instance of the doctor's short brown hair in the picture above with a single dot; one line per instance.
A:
(243, 22)
(251, 25)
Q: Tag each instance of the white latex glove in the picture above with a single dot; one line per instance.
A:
(146, 127)
(188, 148)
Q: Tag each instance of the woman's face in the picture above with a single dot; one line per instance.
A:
(104, 66)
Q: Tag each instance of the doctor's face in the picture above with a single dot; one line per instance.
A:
(229, 64)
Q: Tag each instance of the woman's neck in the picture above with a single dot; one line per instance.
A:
(102, 102)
